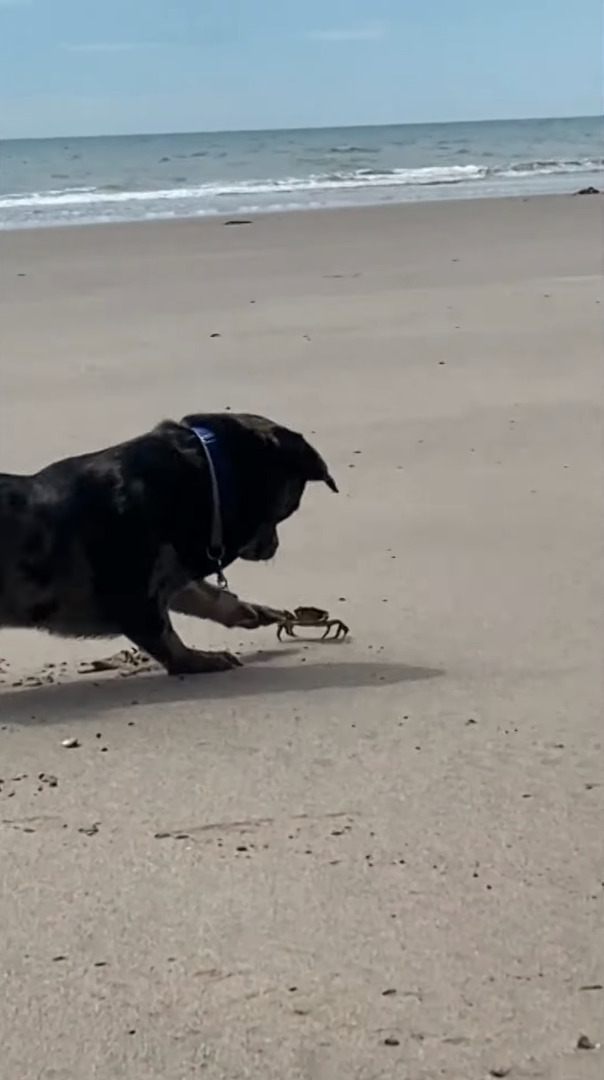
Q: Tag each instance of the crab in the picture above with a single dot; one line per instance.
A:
(311, 616)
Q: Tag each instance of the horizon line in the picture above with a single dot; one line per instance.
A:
(317, 127)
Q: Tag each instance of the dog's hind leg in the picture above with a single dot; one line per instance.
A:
(143, 621)
(205, 601)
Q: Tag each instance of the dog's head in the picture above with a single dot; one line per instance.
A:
(291, 463)
(274, 465)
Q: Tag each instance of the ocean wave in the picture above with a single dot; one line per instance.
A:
(344, 180)
(353, 150)
(551, 167)
(318, 182)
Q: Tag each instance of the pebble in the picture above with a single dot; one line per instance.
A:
(70, 744)
(585, 1043)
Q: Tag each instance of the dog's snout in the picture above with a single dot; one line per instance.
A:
(263, 547)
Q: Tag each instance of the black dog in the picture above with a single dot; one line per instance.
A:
(108, 543)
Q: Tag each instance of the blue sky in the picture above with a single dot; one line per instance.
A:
(72, 67)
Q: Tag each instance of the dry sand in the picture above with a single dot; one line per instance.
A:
(381, 859)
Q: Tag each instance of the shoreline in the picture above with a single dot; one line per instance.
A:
(471, 196)
(424, 206)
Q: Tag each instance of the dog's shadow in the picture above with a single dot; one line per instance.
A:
(85, 698)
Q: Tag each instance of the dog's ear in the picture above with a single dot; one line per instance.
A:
(329, 480)
(303, 458)
(317, 470)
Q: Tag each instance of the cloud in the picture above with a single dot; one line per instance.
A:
(107, 46)
(371, 31)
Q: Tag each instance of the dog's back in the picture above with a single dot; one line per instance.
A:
(25, 544)
(43, 579)
(66, 531)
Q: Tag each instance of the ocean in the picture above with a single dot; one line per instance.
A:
(74, 181)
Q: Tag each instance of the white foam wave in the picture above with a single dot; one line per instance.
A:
(323, 182)
(40, 202)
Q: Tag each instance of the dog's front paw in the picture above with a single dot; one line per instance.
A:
(271, 617)
(253, 616)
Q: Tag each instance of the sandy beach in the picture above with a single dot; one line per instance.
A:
(376, 859)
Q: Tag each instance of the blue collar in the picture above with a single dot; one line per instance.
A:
(217, 470)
